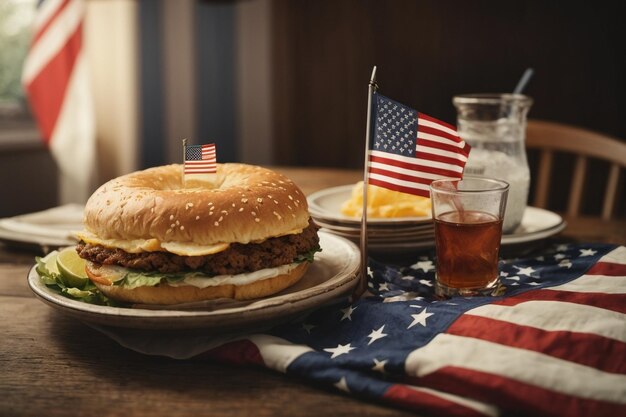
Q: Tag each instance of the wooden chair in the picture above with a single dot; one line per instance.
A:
(550, 137)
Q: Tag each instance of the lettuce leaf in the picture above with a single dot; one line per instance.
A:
(54, 281)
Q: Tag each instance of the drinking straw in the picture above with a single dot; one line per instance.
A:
(523, 81)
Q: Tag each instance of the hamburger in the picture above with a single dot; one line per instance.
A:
(149, 240)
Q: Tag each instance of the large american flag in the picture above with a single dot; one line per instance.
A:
(553, 345)
(55, 78)
(200, 159)
(410, 149)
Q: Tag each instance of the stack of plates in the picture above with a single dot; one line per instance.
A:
(383, 235)
(410, 233)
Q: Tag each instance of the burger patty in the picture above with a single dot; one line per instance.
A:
(238, 258)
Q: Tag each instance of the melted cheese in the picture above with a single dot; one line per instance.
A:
(153, 245)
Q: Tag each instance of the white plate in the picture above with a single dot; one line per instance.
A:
(333, 273)
(536, 224)
(46, 230)
(327, 204)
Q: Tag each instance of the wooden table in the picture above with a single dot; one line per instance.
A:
(52, 365)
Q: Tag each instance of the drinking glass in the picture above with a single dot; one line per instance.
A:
(495, 126)
(468, 216)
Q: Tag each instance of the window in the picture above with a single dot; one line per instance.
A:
(16, 18)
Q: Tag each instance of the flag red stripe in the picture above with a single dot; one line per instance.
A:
(608, 268)
(414, 166)
(425, 402)
(432, 119)
(47, 89)
(404, 177)
(439, 158)
(438, 145)
(613, 302)
(553, 343)
(400, 188)
(45, 25)
(440, 133)
(514, 396)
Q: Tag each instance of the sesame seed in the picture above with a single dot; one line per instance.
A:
(171, 217)
(260, 200)
(253, 213)
(278, 215)
(244, 200)
(257, 220)
(290, 197)
(269, 196)
(220, 219)
(210, 213)
(172, 225)
(182, 227)
(234, 205)
(224, 211)
(241, 209)
(177, 222)
(197, 217)
(275, 202)
(216, 223)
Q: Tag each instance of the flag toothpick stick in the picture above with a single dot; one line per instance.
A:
(362, 284)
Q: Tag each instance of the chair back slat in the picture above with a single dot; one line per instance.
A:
(611, 192)
(550, 138)
(543, 179)
(576, 190)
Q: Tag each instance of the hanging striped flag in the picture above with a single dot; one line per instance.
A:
(411, 149)
(200, 159)
(56, 82)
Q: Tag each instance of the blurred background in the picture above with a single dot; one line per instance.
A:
(284, 82)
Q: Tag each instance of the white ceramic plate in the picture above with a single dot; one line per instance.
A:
(536, 224)
(327, 203)
(46, 230)
(333, 273)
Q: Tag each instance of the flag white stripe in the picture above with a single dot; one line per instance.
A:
(417, 161)
(405, 171)
(616, 256)
(52, 41)
(392, 180)
(278, 353)
(440, 139)
(440, 152)
(429, 123)
(72, 141)
(44, 12)
(518, 364)
(486, 409)
(559, 316)
(595, 283)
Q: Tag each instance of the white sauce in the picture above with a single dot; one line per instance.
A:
(239, 279)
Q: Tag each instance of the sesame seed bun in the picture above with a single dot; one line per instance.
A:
(248, 231)
(247, 204)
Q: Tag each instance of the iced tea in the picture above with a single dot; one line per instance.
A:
(468, 243)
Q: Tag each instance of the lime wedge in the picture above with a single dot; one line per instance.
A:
(50, 261)
(72, 268)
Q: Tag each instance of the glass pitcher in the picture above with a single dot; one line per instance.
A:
(495, 126)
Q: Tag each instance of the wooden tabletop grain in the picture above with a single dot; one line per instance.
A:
(51, 365)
